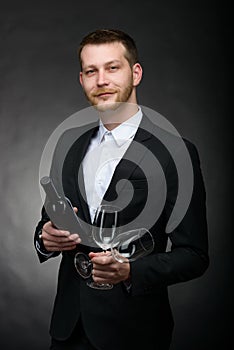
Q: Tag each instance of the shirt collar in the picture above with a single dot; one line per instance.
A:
(124, 131)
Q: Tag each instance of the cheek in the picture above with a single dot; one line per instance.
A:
(123, 80)
(88, 86)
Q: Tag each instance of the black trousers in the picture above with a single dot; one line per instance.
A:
(77, 341)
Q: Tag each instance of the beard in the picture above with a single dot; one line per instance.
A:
(107, 103)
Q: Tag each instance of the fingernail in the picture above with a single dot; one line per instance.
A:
(65, 233)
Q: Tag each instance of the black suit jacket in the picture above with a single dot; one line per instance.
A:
(127, 320)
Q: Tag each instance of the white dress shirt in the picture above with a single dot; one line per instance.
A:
(104, 153)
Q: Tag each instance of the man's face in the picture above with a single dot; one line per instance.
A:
(107, 77)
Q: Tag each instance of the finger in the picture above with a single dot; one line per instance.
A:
(51, 230)
(58, 244)
(59, 249)
(108, 278)
(103, 273)
(75, 209)
(99, 254)
(75, 238)
(59, 239)
(103, 260)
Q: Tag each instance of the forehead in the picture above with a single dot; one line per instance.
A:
(97, 54)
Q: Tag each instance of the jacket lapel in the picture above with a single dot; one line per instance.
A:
(78, 153)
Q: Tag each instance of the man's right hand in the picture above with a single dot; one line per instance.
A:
(58, 240)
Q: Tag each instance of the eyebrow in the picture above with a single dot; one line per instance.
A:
(106, 64)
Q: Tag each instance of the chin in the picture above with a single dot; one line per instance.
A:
(108, 106)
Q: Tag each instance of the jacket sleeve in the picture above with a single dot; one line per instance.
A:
(42, 253)
(188, 257)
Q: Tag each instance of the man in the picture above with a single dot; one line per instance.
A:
(135, 313)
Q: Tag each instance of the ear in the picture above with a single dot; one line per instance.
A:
(81, 78)
(137, 72)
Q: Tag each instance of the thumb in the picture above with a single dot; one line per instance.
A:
(75, 209)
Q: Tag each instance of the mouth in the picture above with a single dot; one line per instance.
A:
(104, 93)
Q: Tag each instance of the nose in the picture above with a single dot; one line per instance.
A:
(102, 79)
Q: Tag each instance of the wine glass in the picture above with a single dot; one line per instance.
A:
(132, 245)
(83, 264)
(105, 228)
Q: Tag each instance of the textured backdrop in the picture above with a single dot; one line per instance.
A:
(184, 52)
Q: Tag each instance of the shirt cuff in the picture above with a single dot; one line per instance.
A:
(46, 254)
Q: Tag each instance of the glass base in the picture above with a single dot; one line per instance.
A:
(100, 286)
(83, 265)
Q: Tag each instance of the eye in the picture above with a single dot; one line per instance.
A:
(89, 72)
(113, 68)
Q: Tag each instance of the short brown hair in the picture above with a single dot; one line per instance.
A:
(104, 36)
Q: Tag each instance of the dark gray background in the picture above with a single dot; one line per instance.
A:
(184, 50)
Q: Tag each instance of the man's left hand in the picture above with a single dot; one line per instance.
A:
(107, 270)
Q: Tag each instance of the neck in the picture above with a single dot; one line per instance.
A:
(113, 118)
